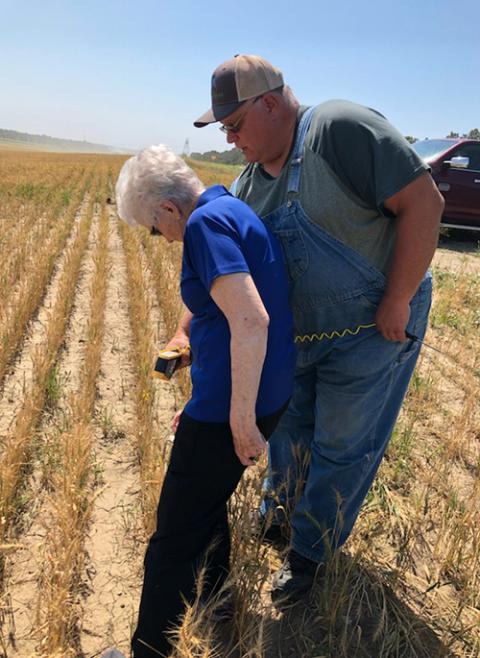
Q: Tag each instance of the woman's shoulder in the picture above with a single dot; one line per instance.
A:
(226, 218)
(226, 209)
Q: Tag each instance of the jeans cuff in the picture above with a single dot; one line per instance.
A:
(305, 550)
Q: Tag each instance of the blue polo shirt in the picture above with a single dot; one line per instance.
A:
(223, 236)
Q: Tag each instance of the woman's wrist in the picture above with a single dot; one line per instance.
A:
(242, 418)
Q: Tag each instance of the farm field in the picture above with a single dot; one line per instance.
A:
(85, 304)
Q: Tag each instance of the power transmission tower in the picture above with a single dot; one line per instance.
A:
(186, 148)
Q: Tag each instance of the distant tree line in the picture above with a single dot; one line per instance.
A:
(473, 134)
(56, 143)
(232, 156)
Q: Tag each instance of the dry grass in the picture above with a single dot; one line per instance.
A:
(73, 485)
(26, 274)
(14, 463)
(150, 447)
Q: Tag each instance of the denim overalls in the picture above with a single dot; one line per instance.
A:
(348, 388)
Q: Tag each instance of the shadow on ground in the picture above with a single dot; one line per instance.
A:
(352, 612)
(467, 242)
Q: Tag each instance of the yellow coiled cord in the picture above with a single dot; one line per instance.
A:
(329, 335)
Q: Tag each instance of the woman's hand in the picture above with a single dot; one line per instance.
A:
(176, 420)
(248, 441)
(180, 340)
(184, 351)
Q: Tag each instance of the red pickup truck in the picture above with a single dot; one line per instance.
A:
(455, 167)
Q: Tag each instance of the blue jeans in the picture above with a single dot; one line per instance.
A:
(328, 446)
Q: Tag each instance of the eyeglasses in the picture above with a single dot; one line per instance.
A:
(235, 127)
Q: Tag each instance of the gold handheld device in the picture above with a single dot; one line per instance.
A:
(168, 361)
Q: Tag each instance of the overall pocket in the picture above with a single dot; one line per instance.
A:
(294, 252)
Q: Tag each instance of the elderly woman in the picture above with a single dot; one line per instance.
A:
(234, 284)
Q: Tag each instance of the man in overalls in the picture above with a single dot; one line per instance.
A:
(357, 214)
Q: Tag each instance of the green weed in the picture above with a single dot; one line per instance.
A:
(53, 389)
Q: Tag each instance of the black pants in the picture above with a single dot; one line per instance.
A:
(192, 513)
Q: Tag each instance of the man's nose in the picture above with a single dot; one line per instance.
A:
(231, 138)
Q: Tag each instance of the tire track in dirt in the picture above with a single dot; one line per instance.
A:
(116, 543)
(25, 570)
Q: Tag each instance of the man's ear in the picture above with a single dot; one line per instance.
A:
(270, 101)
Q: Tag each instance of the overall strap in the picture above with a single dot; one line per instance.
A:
(233, 186)
(297, 155)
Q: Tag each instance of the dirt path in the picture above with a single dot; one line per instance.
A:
(116, 544)
(112, 545)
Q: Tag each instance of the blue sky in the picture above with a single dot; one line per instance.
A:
(131, 73)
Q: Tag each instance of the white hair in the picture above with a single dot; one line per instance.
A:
(154, 175)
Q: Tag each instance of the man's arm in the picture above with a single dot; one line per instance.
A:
(418, 208)
(238, 299)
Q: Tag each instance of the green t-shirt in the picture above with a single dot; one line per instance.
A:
(354, 160)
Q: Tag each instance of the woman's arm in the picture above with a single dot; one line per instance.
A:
(238, 299)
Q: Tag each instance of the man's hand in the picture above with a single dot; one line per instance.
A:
(392, 318)
(248, 441)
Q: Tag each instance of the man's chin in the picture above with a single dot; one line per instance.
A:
(249, 155)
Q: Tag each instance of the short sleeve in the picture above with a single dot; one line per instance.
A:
(212, 247)
(365, 151)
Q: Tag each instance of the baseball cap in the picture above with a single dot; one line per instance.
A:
(237, 80)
